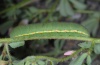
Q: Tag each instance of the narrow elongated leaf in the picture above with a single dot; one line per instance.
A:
(13, 13)
(27, 63)
(97, 48)
(85, 44)
(0, 44)
(78, 5)
(34, 64)
(52, 62)
(4, 27)
(33, 10)
(16, 44)
(80, 59)
(18, 62)
(92, 23)
(73, 61)
(19, 5)
(89, 60)
(39, 62)
(65, 8)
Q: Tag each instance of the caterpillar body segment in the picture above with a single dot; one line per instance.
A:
(49, 31)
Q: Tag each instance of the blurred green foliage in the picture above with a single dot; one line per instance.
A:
(49, 11)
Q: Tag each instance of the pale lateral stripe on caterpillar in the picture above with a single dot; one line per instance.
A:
(40, 32)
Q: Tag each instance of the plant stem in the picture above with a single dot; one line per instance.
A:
(3, 54)
(52, 9)
(61, 59)
(85, 11)
(19, 5)
(7, 50)
(9, 40)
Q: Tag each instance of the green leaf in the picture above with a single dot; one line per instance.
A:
(30, 13)
(27, 63)
(39, 62)
(4, 27)
(18, 62)
(34, 63)
(89, 60)
(12, 13)
(33, 9)
(65, 8)
(19, 5)
(92, 23)
(48, 2)
(30, 58)
(58, 44)
(52, 62)
(0, 57)
(1, 44)
(97, 48)
(61, 44)
(17, 44)
(73, 61)
(85, 44)
(80, 59)
(78, 5)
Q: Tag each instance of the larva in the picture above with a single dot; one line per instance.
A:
(49, 31)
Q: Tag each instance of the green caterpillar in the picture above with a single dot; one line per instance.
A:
(51, 30)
